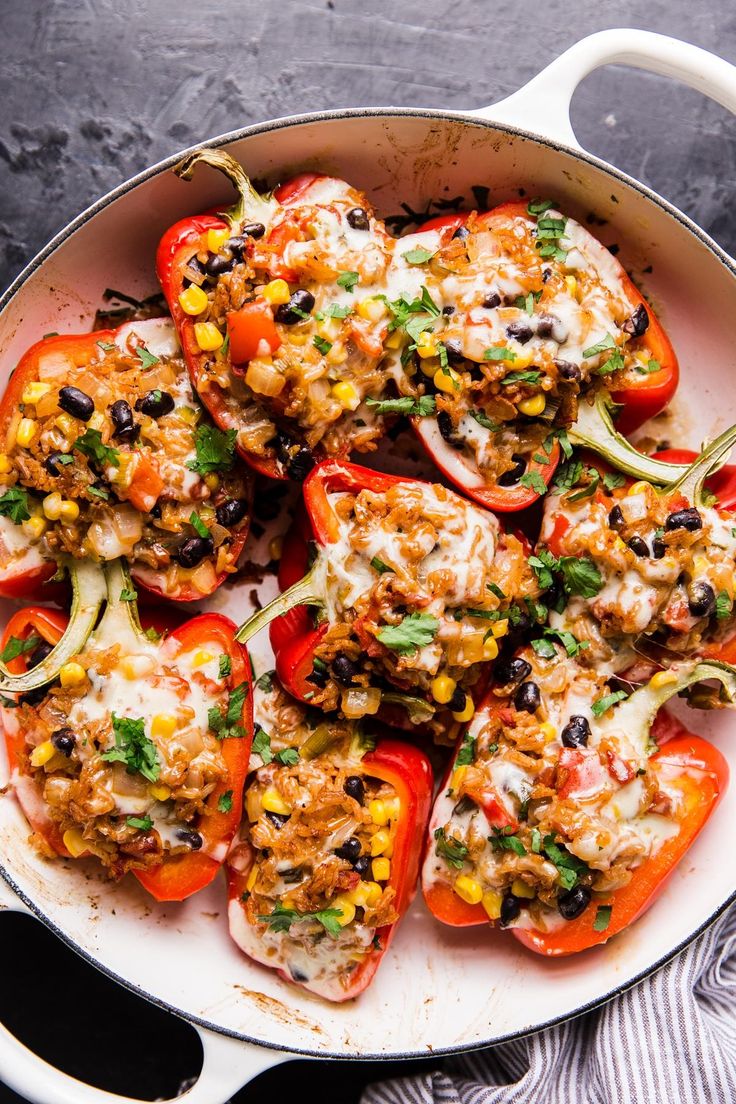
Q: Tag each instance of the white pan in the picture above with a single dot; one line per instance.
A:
(438, 990)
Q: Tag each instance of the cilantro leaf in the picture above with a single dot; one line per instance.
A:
(608, 342)
(225, 802)
(482, 419)
(503, 839)
(418, 256)
(128, 594)
(281, 919)
(262, 745)
(539, 206)
(534, 481)
(532, 376)
(288, 757)
(466, 754)
(215, 449)
(544, 648)
(90, 443)
(144, 824)
(569, 642)
(133, 748)
(543, 565)
(602, 917)
(348, 280)
(17, 647)
(647, 369)
(450, 849)
(602, 705)
(225, 666)
(424, 406)
(569, 867)
(380, 566)
(723, 606)
(146, 358)
(198, 525)
(613, 480)
(336, 310)
(14, 504)
(106, 346)
(228, 725)
(499, 352)
(265, 681)
(580, 576)
(414, 632)
(322, 344)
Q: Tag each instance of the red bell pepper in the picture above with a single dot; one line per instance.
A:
(59, 361)
(409, 772)
(183, 874)
(682, 762)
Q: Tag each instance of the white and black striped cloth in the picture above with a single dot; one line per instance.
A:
(669, 1040)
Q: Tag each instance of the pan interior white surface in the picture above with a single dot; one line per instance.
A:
(437, 988)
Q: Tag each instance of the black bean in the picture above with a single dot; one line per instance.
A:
(638, 323)
(39, 653)
(448, 310)
(34, 697)
(355, 787)
(457, 702)
(358, 219)
(76, 403)
(156, 403)
(513, 474)
(301, 302)
(238, 245)
(190, 838)
(231, 512)
(461, 234)
(574, 902)
(528, 698)
(293, 874)
(464, 805)
(491, 300)
(126, 429)
(194, 550)
(576, 732)
(546, 273)
(616, 517)
(658, 548)
(343, 670)
(350, 849)
(522, 331)
(362, 865)
(278, 819)
(638, 546)
(511, 670)
(447, 429)
(218, 265)
(568, 371)
(300, 465)
(510, 909)
(64, 740)
(297, 974)
(52, 464)
(701, 599)
(549, 325)
(454, 350)
(688, 519)
(196, 266)
(155, 510)
(253, 230)
(318, 677)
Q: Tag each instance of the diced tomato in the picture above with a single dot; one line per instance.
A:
(252, 332)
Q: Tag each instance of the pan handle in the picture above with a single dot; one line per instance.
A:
(228, 1065)
(543, 105)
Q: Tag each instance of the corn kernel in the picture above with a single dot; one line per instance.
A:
(442, 687)
(207, 336)
(6, 464)
(32, 392)
(346, 395)
(75, 843)
(426, 346)
(298, 338)
(42, 754)
(345, 906)
(26, 432)
(429, 366)
(469, 889)
(394, 340)
(252, 877)
(69, 511)
(273, 802)
(468, 711)
(329, 328)
(532, 407)
(490, 648)
(35, 527)
(523, 360)
(380, 842)
(163, 725)
(193, 300)
(519, 888)
(700, 565)
(492, 901)
(217, 238)
(275, 548)
(447, 379)
(548, 731)
(201, 657)
(160, 792)
(381, 869)
(72, 674)
(458, 777)
(276, 292)
(212, 480)
(500, 628)
(136, 666)
(97, 421)
(253, 805)
(372, 310)
(662, 678)
(638, 488)
(572, 287)
(66, 424)
(52, 506)
(379, 814)
(365, 894)
(393, 804)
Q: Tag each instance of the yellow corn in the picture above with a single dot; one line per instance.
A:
(638, 488)
(72, 674)
(193, 300)
(393, 341)
(346, 907)
(381, 869)
(42, 754)
(380, 842)
(467, 712)
(273, 802)
(216, 239)
(365, 894)
(329, 328)
(379, 814)
(212, 480)
(447, 379)
(500, 628)
(523, 360)
(252, 877)
(6, 464)
(276, 292)
(75, 843)
(207, 336)
(490, 648)
(66, 424)
(572, 287)
(429, 366)
(52, 506)
(442, 687)
(458, 777)
(492, 901)
(346, 395)
(201, 657)
(160, 792)
(136, 666)
(32, 392)
(519, 888)
(297, 338)
(662, 678)
(700, 565)
(548, 731)
(26, 432)
(163, 725)
(426, 346)
(394, 808)
(372, 310)
(469, 889)
(97, 421)
(532, 407)
(35, 527)
(275, 548)
(69, 511)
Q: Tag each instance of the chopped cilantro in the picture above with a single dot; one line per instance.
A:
(534, 481)
(526, 302)
(380, 566)
(262, 745)
(228, 725)
(322, 344)
(466, 754)
(650, 366)
(106, 346)
(414, 632)
(543, 565)
(450, 849)
(128, 594)
(503, 839)
(348, 280)
(225, 666)
(615, 360)
(198, 525)
(265, 681)
(602, 917)
(539, 206)
(225, 802)
(496, 590)
(536, 840)
(544, 648)
(14, 504)
(98, 492)
(215, 449)
(288, 757)
(723, 606)
(569, 867)
(580, 576)
(336, 310)
(602, 705)
(281, 919)
(424, 406)
(133, 748)
(146, 358)
(482, 419)
(90, 443)
(17, 647)
(612, 480)
(144, 824)
(500, 352)
(418, 256)
(532, 376)
(569, 642)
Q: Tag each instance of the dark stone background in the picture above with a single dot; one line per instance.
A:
(92, 91)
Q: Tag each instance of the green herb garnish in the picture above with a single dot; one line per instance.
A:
(348, 280)
(228, 725)
(414, 632)
(450, 849)
(133, 748)
(418, 256)
(90, 443)
(424, 406)
(602, 917)
(147, 359)
(215, 449)
(281, 919)
(225, 666)
(602, 705)
(262, 745)
(144, 824)
(225, 802)
(17, 647)
(198, 525)
(322, 344)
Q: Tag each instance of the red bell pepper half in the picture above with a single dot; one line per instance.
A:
(407, 770)
(28, 635)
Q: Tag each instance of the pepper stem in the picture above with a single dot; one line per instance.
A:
(120, 623)
(594, 430)
(303, 593)
(251, 205)
(88, 594)
(690, 484)
(418, 710)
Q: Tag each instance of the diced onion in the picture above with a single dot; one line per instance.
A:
(358, 702)
(115, 534)
(264, 379)
(53, 365)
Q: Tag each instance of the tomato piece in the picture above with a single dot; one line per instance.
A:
(580, 773)
(252, 332)
(146, 484)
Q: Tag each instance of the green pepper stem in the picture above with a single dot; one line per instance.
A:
(303, 593)
(713, 456)
(594, 430)
(418, 710)
(251, 205)
(120, 623)
(88, 594)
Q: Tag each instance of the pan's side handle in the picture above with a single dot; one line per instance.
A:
(543, 105)
(228, 1065)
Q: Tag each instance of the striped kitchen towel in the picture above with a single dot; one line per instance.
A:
(669, 1040)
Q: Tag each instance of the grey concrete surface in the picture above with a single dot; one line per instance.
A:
(91, 91)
